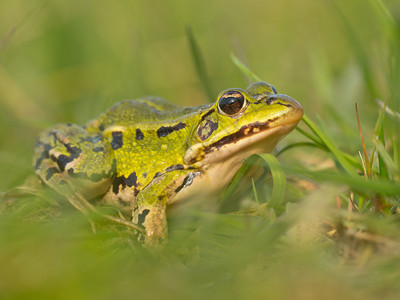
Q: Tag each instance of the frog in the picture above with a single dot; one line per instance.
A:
(144, 155)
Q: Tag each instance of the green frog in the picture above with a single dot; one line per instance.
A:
(143, 155)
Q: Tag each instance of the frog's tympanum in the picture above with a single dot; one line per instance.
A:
(146, 154)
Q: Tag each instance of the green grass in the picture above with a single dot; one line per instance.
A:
(319, 219)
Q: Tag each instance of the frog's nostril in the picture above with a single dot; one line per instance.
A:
(270, 100)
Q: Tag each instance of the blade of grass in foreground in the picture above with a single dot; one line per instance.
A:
(279, 180)
(247, 165)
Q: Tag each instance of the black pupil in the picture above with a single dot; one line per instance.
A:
(231, 102)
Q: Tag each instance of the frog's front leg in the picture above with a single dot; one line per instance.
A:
(77, 164)
(150, 206)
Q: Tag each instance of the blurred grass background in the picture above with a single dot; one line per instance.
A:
(68, 61)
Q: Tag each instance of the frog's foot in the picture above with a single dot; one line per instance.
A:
(86, 208)
(80, 203)
(153, 219)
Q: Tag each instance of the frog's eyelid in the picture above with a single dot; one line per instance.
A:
(260, 97)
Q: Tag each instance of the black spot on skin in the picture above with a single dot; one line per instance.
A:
(144, 175)
(139, 134)
(63, 160)
(116, 142)
(121, 181)
(54, 135)
(50, 172)
(207, 114)
(142, 216)
(98, 149)
(164, 131)
(206, 129)
(101, 127)
(174, 167)
(131, 180)
(72, 150)
(118, 181)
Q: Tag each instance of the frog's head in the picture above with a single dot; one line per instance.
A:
(241, 123)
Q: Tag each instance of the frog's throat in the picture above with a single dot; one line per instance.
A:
(257, 137)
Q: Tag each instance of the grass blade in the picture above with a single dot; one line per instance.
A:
(199, 63)
(330, 145)
(247, 165)
(255, 192)
(358, 183)
(279, 180)
(379, 134)
(367, 165)
(242, 67)
(385, 161)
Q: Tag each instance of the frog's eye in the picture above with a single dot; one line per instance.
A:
(231, 103)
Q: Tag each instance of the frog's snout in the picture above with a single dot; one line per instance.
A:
(279, 99)
(293, 108)
(270, 100)
(284, 100)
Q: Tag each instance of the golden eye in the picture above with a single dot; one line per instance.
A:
(231, 103)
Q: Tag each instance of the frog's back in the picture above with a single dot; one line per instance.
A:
(145, 111)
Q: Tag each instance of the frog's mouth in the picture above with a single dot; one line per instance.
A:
(245, 131)
(257, 137)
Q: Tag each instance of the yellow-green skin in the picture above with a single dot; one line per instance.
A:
(147, 153)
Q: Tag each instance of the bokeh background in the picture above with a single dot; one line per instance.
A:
(68, 61)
